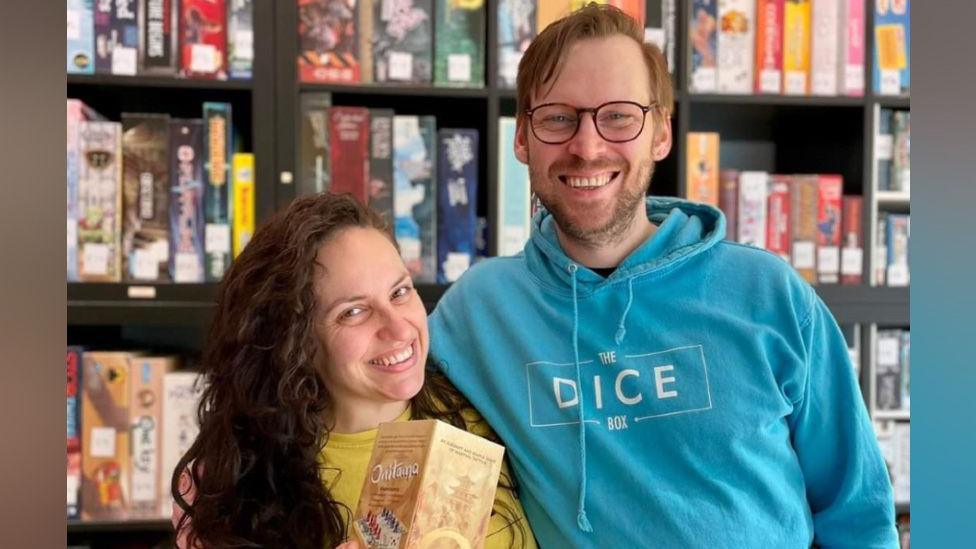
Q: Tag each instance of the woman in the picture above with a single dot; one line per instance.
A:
(318, 337)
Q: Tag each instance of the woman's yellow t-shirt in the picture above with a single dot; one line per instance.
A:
(346, 457)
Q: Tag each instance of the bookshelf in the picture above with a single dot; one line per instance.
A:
(156, 82)
(758, 131)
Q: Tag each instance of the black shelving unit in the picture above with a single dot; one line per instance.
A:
(169, 318)
(192, 304)
(771, 100)
(135, 525)
(781, 134)
(156, 82)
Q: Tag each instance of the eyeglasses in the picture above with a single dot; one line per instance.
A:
(616, 121)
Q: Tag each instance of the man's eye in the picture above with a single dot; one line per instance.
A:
(558, 119)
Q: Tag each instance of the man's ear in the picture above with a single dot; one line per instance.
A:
(662, 143)
(521, 141)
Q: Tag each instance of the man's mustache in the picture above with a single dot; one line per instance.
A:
(579, 165)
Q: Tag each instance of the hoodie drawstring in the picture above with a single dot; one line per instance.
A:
(621, 328)
(581, 521)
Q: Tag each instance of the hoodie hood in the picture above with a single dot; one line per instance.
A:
(685, 229)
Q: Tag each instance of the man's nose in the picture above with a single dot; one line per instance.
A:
(587, 143)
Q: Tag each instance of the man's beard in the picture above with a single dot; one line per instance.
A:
(628, 200)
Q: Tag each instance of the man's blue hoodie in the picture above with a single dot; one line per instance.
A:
(700, 396)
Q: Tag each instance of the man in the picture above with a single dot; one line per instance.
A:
(654, 384)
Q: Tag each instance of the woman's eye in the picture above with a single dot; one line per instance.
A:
(401, 292)
(352, 312)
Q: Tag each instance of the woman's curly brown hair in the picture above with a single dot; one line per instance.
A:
(264, 406)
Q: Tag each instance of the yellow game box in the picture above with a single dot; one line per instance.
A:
(428, 485)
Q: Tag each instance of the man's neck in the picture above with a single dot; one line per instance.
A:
(609, 254)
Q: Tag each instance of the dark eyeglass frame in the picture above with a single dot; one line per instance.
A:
(594, 111)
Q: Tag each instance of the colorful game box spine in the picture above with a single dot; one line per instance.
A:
(892, 47)
(482, 236)
(426, 212)
(242, 168)
(670, 11)
(824, 46)
(804, 193)
(100, 202)
(796, 47)
(659, 21)
(125, 35)
(736, 43)
(328, 41)
(831, 188)
(728, 201)
(905, 348)
(76, 113)
(516, 29)
(74, 361)
(897, 239)
(514, 214)
(414, 199)
(81, 37)
(768, 72)
(654, 27)
(851, 48)
(881, 249)
(313, 159)
(702, 182)
(901, 152)
(457, 195)
(146, 420)
(902, 487)
(104, 43)
(181, 397)
(349, 147)
(240, 39)
(74, 118)
(381, 163)
(105, 459)
(365, 30)
(884, 148)
(753, 187)
(403, 50)
(158, 37)
(145, 189)
(852, 247)
(778, 220)
(217, 121)
(186, 218)
(703, 46)
(887, 377)
(459, 43)
(203, 39)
